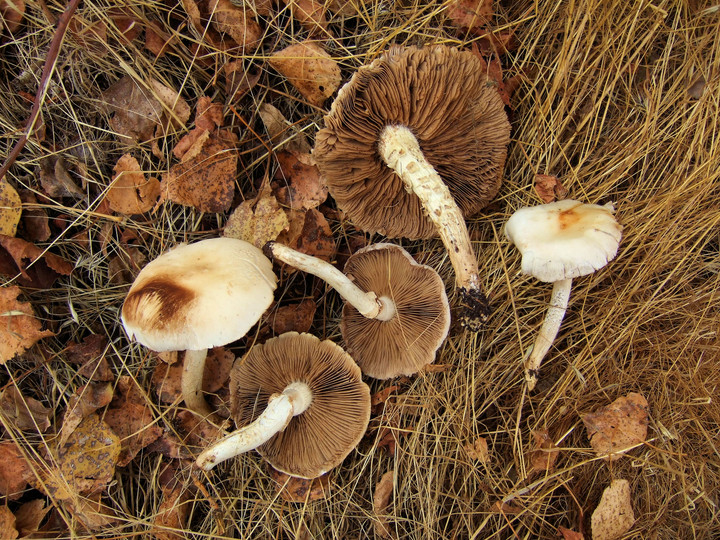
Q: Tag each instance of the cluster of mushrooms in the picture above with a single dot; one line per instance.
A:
(414, 143)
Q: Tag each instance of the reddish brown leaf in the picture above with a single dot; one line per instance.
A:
(545, 454)
(157, 41)
(618, 426)
(218, 364)
(7, 520)
(90, 356)
(236, 22)
(24, 413)
(15, 470)
(381, 396)
(569, 534)
(197, 432)
(299, 183)
(91, 512)
(19, 330)
(497, 43)
(549, 188)
(238, 80)
(209, 115)
(300, 490)
(91, 36)
(35, 220)
(86, 400)
(470, 14)
(310, 15)
(56, 180)
(281, 131)
(130, 192)
(37, 268)
(29, 516)
(171, 520)
(316, 237)
(296, 317)
(381, 500)
(11, 15)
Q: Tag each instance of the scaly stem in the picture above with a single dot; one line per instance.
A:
(294, 400)
(549, 330)
(367, 303)
(401, 152)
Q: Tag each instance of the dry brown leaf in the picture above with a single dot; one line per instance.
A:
(84, 464)
(167, 381)
(89, 35)
(86, 400)
(90, 356)
(19, 330)
(7, 524)
(10, 209)
(310, 69)
(545, 454)
(11, 15)
(236, 22)
(197, 432)
(35, 219)
(131, 418)
(549, 188)
(569, 534)
(300, 490)
(381, 500)
(56, 180)
(501, 507)
(258, 221)
(239, 80)
(37, 268)
(281, 131)
(91, 512)
(296, 317)
(15, 470)
(614, 515)
(176, 111)
(157, 41)
(130, 192)
(207, 179)
(300, 185)
(478, 450)
(29, 516)
(170, 522)
(310, 15)
(24, 413)
(381, 396)
(136, 112)
(310, 233)
(470, 14)
(617, 427)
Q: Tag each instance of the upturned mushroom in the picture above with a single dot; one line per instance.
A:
(560, 241)
(396, 312)
(299, 401)
(415, 142)
(198, 296)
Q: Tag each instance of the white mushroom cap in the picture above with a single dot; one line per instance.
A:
(198, 296)
(565, 239)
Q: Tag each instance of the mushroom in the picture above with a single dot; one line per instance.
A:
(198, 296)
(302, 405)
(396, 314)
(560, 241)
(415, 142)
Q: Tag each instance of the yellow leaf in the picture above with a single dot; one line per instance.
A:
(19, 329)
(259, 225)
(10, 209)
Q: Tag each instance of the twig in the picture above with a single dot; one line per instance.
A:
(48, 68)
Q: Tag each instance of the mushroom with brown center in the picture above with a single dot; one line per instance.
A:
(415, 142)
(301, 403)
(198, 296)
(560, 241)
(396, 314)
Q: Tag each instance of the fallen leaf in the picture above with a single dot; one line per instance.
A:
(310, 15)
(56, 180)
(90, 356)
(89, 35)
(10, 209)
(35, 219)
(568, 534)
(470, 14)
(501, 507)
(549, 188)
(496, 42)
(236, 22)
(613, 429)
(697, 87)
(258, 221)
(300, 490)
(24, 413)
(85, 401)
(381, 500)
(131, 419)
(7, 524)
(197, 432)
(11, 14)
(19, 329)
(297, 317)
(37, 268)
(130, 192)
(381, 396)
(543, 457)
(478, 450)
(84, 464)
(282, 132)
(300, 185)
(157, 41)
(171, 520)
(91, 512)
(176, 111)
(15, 470)
(315, 237)
(239, 80)
(207, 180)
(29, 516)
(614, 515)
(311, 70)
(128, 25)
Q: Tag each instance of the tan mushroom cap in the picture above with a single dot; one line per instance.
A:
(410, 340)
(442, 95)
(320, 438)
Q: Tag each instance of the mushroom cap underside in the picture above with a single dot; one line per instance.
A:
(410, 340)
(198, 296)
(318, 439)
(565, 239)
(442, 95)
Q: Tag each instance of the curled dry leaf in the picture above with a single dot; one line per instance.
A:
(130, 192)
(549, 188)
(236, 22)
(19, 329)
(309, 69)
(84, 464)
(29, 516)
(300, 490)
(381, 501)
(258, 221)
(281, 131)
(15, 470)
(310, 15)
(55, 179)
(170, 522)
(545, 454)
(239, 80)
(569, 534)
(37, 268)
(7, 524)
(299, 183)
(614, 515)
(478, 450)
(310, 233)
(297, 317)
(10, 209)
(470, 14)
(613, 429)
(86, 400)
(24, 413)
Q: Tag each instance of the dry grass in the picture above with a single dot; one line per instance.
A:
(606, 108)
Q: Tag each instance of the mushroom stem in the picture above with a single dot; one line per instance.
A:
(401, 152)
(191, 383)
(294, 400)
(367, 303)
(549, 330)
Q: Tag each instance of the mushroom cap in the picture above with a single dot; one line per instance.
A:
(318, 439)
(442, 95)
(409, 341)
(564, 239)
(200, 295)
